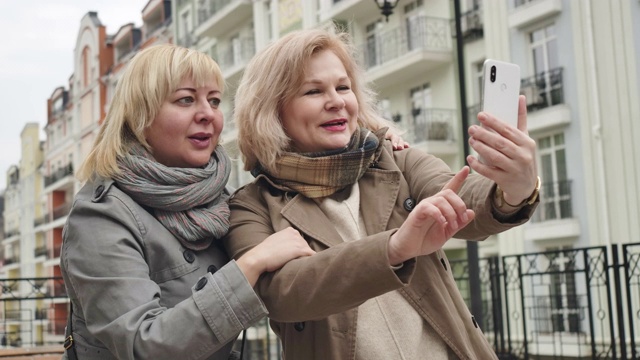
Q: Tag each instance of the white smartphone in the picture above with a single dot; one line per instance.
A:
(501, 90)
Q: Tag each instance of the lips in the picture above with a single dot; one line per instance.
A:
(200, 140)
(334, 123)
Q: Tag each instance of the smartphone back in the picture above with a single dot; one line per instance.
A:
(501, 89)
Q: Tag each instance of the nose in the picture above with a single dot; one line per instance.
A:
(204, 113)
(334, 101)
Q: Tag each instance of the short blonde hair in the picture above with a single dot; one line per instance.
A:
(149, 78)
(272, 78)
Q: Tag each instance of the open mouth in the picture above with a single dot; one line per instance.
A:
(334, 123)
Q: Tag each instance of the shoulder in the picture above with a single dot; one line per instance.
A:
(409, 159)
(100, 200)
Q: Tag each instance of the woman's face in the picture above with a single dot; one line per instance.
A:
(323, 113)
(187, 128)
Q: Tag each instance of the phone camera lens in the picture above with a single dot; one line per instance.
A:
(493, 74)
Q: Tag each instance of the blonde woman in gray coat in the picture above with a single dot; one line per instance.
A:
(141, 258)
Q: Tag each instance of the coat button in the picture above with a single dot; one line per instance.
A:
(201, 283)
(212, 269)
(409, 204)
(473, 319)
(98, 191)
(299, 326)
(189, 256)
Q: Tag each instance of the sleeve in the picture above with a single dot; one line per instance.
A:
(103, 261)
(331, 281)
(427, 175)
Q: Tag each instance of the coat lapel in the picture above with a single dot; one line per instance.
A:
(304, 214)
(381, 192)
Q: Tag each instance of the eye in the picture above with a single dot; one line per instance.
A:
(186, 100)
(312, 92)
(214, 102)
(343, 88)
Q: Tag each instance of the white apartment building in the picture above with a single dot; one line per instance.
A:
(20, 243)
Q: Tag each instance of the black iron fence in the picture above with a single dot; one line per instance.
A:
(581, 303)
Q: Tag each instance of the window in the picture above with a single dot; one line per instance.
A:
(415, 25)
(372, 54)
(555, 192)
(546, 87)
(85, 66)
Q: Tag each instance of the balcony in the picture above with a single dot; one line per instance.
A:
(11, 236)
(527, 12)
(235, 56)
(351, 10)
(471, 25)
(396, 55)
(543, 90)
(59, 174)
(433, 130)
(40, 251)
(219, 17)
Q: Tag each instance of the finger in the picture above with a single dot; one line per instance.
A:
(457, 204)
(522, 114)
(458, 179)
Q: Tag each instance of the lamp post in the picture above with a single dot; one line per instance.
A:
(386, 7)
(473, 265)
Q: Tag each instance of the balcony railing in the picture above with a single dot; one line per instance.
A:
(214, 6)
(518, 3)
(238, 54)
(40, 251)
(11, 233)
(471, 25)
(11, 260)
(543, 90)
(58, 174)
(41, 220)
(422, 33)
(432, 125)
(555, 202)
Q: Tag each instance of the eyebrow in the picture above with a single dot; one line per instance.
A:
(318, 81)
(194, 90)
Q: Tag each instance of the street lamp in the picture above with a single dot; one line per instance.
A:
(386, 7)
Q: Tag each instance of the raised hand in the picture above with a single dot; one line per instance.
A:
(431, 223)
(509, 154)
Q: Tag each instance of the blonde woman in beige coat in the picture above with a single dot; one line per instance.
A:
(379, 285)
(141, 257)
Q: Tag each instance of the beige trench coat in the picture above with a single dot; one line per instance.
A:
(313, 300)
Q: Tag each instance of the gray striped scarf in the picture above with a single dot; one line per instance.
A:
(190, 202)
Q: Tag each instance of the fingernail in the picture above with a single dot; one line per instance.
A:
(465, 218)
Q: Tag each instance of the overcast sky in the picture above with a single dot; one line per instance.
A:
(36, 56)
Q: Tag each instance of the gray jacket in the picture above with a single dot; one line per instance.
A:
(137, 293)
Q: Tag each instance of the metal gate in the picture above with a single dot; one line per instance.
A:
(581, 303)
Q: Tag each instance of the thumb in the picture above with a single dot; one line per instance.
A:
(458, 179)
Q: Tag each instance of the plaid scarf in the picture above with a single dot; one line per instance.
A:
(190, 202)
(317, 175)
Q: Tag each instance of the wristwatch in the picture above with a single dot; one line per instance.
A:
(528, 201)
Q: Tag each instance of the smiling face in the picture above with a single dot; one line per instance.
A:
(323, 113)
(187, 128)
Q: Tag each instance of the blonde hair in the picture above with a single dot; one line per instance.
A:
(272, 78)
(149, 78)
